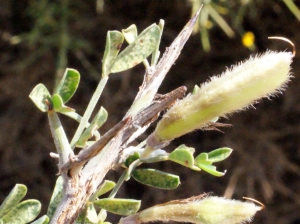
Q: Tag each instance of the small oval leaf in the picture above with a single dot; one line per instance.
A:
(105, 187)
(114, 41)
(57, 102)
(119, 206)
(91, 216)
(156, 178)
(220, 154)
(130, 159)
(68, 84)
(97, 122)
(39, 95)
(130, 33)
(211, 169)
(24, 212)
(202, 158)
(43, 220)
(138, 50)
(183, 155)
(56, 197)
(12, 200)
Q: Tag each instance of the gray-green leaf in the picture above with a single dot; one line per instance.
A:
(114, 40)
(211, 169)
(43, 220)
(156, 178)
(56, 197)
(68, 84)
(203, 159)
(59, 105)
(39, 95)
(105, 187)
(12, 200)
(23, 213)
(91, 215)
(130, 33)
(97, 122)
(220, 154)
(138, 50)
(119, 206)
(183, 155)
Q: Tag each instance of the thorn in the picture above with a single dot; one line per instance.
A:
(194, 18)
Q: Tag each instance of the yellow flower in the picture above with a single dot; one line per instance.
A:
(248, 39)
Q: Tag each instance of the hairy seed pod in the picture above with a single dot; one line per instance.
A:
(240, 86)
(207, 210)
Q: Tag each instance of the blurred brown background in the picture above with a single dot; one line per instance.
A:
(266, 140)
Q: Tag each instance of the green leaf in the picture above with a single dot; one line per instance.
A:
(119, 206)
(130, 33)
(97, 122)
(43, 220)
(156, 178)
(57, 102)
(156, 52)
(105, 187)
(130, 159)
(210, 169)
(138, 50)
(203, 159)
(220, 154)
(56, 197)
(68, 84)
(183, 155)
(12, 200)
(114, 40)
(24, 212)
(59, 106)
(91, 215)
(102, 216)
(39, 95)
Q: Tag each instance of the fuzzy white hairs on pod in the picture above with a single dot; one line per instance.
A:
(205, 210)
(237, 88)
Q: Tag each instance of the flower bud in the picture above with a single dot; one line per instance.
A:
(240, 86)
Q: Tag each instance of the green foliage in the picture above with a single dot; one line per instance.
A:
(65, 90)
(138, 50)
(183, 155)
(119, 206)
(56, 197)
(156, 178)
(43, 220)
(130, 159)
(15, 212)
(105, 187)
(40, 95)
(14, 197)
(219, 155)
(68, 84)
(89, 216)
(114, 41)
(205, 160)
(89, 132)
